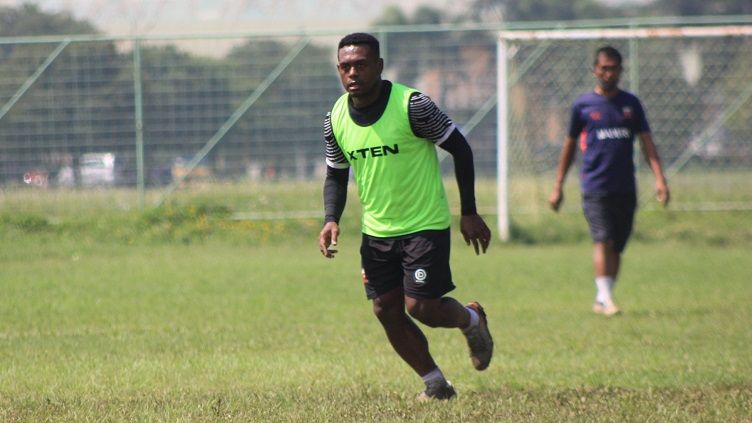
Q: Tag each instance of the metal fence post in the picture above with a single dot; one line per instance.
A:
(138, 120)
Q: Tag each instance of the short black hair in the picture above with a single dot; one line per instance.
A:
(609, 52)
(357, 38)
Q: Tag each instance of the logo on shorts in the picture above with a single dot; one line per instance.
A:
(420, 276)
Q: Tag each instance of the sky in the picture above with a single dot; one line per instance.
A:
(123, 17)
(144, 17)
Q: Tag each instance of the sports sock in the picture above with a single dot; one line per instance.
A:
(612, 284)
(474, 319)
(603, 284)
(433, 377)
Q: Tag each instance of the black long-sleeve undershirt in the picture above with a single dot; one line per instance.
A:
(464, 170)
(335, 193)
(335, 184)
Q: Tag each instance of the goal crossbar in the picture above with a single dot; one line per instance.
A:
(505, 36)
(612, 33)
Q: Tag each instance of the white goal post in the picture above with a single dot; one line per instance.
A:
(511, 69)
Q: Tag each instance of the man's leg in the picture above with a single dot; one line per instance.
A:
(405, 336)
(603, 216)
(411, 344)
(606, 260)
(606, 263)
(383, 275)
(443, 312)
(446, 312)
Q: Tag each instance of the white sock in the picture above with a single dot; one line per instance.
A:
(603, 284)
(474, 318)
(433, 377)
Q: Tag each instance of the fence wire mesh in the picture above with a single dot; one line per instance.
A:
(160, 115)
(697, 93)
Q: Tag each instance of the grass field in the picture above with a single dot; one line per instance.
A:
(184, 314)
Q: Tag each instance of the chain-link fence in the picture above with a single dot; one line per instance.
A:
(162, 114)
(696, 87)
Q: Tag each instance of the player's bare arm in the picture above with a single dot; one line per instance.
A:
(662, 193)
(565, 161)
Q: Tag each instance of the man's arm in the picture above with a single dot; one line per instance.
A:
(335, 191)
(335, 198)
(472, 226)
(651, 155)
(429, 122)
(464, 169)
(565, 161)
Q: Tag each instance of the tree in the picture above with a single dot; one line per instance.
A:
(28, 20)
(60, 115)
(553, 10)
(538, 10)
(698, 7)
(266, 137)
(392, 15)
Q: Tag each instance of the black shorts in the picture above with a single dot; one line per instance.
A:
(419, 263)
(610, 217)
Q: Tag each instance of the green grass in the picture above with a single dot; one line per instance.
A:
(184, 314)
(210, 331)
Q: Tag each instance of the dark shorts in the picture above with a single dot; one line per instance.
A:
(419, 263)
(610, 217)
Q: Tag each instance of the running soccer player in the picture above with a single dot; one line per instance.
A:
(387, 134)
(606, 121)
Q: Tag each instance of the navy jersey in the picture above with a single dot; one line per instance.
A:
(606, 127)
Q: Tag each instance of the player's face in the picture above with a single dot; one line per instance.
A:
(607, 71)
(360, 72)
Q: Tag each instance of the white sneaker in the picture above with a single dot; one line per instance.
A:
(607, 308)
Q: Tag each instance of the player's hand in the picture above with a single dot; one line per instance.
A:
(662, 194)
(475, 231)
(328, 239)
(555, 199)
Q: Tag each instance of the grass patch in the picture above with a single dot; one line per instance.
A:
(212, 331)
(184, 313)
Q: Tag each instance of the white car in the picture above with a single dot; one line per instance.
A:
(99, 169)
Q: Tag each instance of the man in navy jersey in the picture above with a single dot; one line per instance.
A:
(387, 134)
(605, 121)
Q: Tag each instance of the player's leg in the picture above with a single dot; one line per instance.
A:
(597, 210)
(382, 277)
(605, 268)
(445, 312)
(623, 209)
(427, 279)
(405, 336)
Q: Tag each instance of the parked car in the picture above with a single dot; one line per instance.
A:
(100, 169)
(36, 177)
(180, 171)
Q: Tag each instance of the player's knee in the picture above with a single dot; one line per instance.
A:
(387, 312)
(423, 311)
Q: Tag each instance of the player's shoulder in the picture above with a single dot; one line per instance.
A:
(628, 96)
(400, 86)
(626, 99)
(585, 99)
(419, 100)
